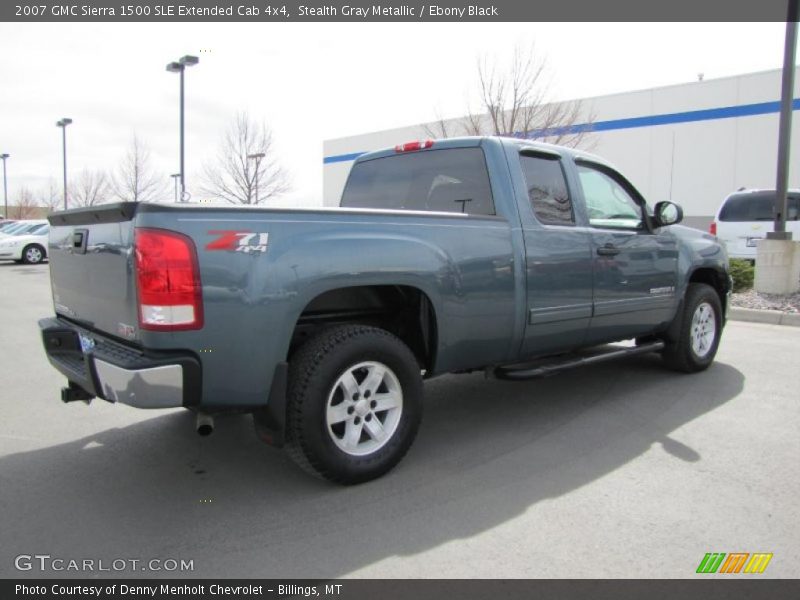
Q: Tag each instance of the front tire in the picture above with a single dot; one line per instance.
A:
(699, 332)
(33, 254)
(354, 403)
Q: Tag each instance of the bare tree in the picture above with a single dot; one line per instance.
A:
(90, 188)
(24, 207)
(50, 197)
(135, 180)
(233, 177)
(514, 101)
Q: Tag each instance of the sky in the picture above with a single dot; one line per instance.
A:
(310, 82)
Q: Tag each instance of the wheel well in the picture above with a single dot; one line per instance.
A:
(403, 310)
(714, 278)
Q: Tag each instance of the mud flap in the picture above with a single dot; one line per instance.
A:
(270, 421)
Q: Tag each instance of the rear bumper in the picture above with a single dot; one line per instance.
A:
(118, 373)
(738, 248)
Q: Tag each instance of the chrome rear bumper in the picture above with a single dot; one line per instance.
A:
(119, 373)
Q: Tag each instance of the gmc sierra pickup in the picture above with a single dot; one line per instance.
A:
(508, 256)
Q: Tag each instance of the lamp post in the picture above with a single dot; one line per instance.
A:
(179, 67)
(257, 157)
(785, 124)
(5, 185)
(777, 256)
(175, 177)
(63, 124)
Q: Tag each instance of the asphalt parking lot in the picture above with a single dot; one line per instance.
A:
(617, 470)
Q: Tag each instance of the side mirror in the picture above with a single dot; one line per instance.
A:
(667, 213)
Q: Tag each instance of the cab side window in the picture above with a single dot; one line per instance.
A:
(608, 203)
(547, 189)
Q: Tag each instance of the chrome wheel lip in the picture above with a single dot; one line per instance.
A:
(364, 408)
(34, 255)
(703, 329)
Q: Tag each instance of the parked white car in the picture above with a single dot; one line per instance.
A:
(28, 226)
(25, 247)
(746, 216)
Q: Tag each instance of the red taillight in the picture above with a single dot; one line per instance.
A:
(413, 146)
(712, 229)
(168, 281)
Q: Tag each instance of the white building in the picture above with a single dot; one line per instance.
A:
(693, 143)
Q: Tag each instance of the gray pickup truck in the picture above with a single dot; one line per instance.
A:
(515, 258)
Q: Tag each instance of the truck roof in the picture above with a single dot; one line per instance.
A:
(474, 141)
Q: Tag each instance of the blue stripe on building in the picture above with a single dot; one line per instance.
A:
(692, 116)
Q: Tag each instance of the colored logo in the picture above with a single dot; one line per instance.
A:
(238, 241)
(735, 562)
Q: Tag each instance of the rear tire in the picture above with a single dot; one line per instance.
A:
(354, 403)
(699, 331)
(33, 254)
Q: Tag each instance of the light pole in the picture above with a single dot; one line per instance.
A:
(777, 256)
(5, 184)
(63, 124)
(257, 157)
(175, 176)
(785, 125)
(179, 67)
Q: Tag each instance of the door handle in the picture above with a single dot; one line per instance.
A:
(608, 250)
(79, 240)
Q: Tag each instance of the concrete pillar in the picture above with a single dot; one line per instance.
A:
(777, 267)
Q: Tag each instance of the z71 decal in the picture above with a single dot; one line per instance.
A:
(238, 241)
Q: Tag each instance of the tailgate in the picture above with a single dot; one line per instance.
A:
(92, 270)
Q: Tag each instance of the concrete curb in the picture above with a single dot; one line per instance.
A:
(771, 317)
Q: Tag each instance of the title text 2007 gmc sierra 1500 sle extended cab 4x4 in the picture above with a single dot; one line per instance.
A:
(504, 255)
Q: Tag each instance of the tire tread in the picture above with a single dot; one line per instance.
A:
(303, 367)
(677, 354)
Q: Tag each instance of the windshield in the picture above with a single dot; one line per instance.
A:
(15, 227)
(29, 229)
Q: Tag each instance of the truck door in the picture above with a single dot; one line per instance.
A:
(635, 268)
(558, 257)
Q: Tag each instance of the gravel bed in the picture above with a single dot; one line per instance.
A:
(752, 299)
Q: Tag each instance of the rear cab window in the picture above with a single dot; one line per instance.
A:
(448, 180)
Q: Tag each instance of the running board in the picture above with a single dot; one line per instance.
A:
(521, 372)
